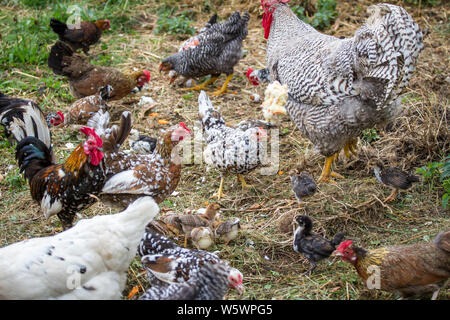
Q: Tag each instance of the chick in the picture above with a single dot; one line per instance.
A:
(302, 184)
(227, 230)
(394, 178)
(275, 98)
(313, 246)
(141, 144)
(202, 237)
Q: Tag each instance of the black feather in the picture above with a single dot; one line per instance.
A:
(32, 155)
(58, 27)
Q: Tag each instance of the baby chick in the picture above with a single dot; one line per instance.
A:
(313, 246)
(394, 178)
(227, 230)
(202, 237)
(303, 185)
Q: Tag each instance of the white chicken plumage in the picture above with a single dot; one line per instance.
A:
(230, 149)
(88, 261)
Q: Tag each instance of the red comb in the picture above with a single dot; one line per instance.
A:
(344, 245)
(249, 71)
(147, 74)
(90, 132)
(59, 113)
(253, 80)
(183, 125)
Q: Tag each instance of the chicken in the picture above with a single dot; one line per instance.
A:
(394, 178)
(167, 262)
(81, 35)
(230, 150)
(409, 270)
(338, 87)
(214, 51)
(227, 230)
(303, 185)
(202, 237)
(83, 109)
(86, 79)
(22, 118)
(63, 189)
(88, 261)
(257, 76)
(130, 176)
(313, 246)
(210, 283)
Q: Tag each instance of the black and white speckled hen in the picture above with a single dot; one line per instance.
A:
(214, 51)
(338, 87)
(394, 178)
(313, 246)
(166, 262)
(209, 283)
(230, 150)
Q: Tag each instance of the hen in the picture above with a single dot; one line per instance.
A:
(167, 262)
(210, 283)
(79, 36)
(63, 189)
(410, 270)
(338, 87)
(311, 245)
(214, 51)
(88, 261)
(230, 150)
(86, 79)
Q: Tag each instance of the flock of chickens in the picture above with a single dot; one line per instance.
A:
(332, 89)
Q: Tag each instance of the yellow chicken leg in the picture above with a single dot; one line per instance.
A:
(220, 193)
(224, 87)
(326, 171)
(203, 85)
(350, 147)
(243, 183)
(392, 196)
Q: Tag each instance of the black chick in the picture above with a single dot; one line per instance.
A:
(303, 185)
(394, 178)
(144, 144)
(311, 245)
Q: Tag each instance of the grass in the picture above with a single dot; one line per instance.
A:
(418, 137)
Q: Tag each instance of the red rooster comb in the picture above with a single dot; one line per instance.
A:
(90, 132)
(147, 74)
(61, 115)
(252, 79)
(183, 125)
(344, 245)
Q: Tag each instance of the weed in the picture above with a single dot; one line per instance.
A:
(370, 135)
(324, 16)
(438, 170)
(174, 24)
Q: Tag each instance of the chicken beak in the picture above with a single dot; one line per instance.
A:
(240, 289)
(336, 254)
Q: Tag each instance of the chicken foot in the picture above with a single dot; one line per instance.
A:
(243, 183)
(203, 85)
(392, 196)
(224, 87)
(326, 171)
(220, 193)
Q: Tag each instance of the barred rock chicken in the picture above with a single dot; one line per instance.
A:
(210, 283)
(88, 261)
(313, 246)
(79, 36)
(409, 270)
(63, 189)
(166, 262)
(22, 118)
(214, 51)
(338, 87)
(130, 176)
(83, 109)
(86, 79)
(394, 178)
(230, 150)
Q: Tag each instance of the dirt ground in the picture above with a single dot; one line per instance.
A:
(263, 252)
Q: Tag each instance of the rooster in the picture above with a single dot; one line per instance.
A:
(410, 270)
(63, 189)
(214, 51)
(86, 79)
(230, 150)
(338, 87)
(130, 176)
(88, 261)
(83, 35)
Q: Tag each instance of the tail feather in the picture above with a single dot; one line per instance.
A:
(115, 136)
(105, 92)
(32, 155)
(58, 27)
(337, 239)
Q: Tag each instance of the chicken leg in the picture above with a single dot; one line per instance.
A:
(392, 196)
(350, 147)
(219, 193)
(203, 85)
(224, 87)
(326, 171)
(243, 183)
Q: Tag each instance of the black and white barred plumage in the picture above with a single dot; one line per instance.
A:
(230, 149)
(338, 87)
(216, 50)
(210, 283)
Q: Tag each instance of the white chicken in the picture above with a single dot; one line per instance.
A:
(88, 261)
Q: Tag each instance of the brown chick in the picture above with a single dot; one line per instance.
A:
(227, 230)
(86, 79)
(81, 35)
(191, 221)
(202, 237)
